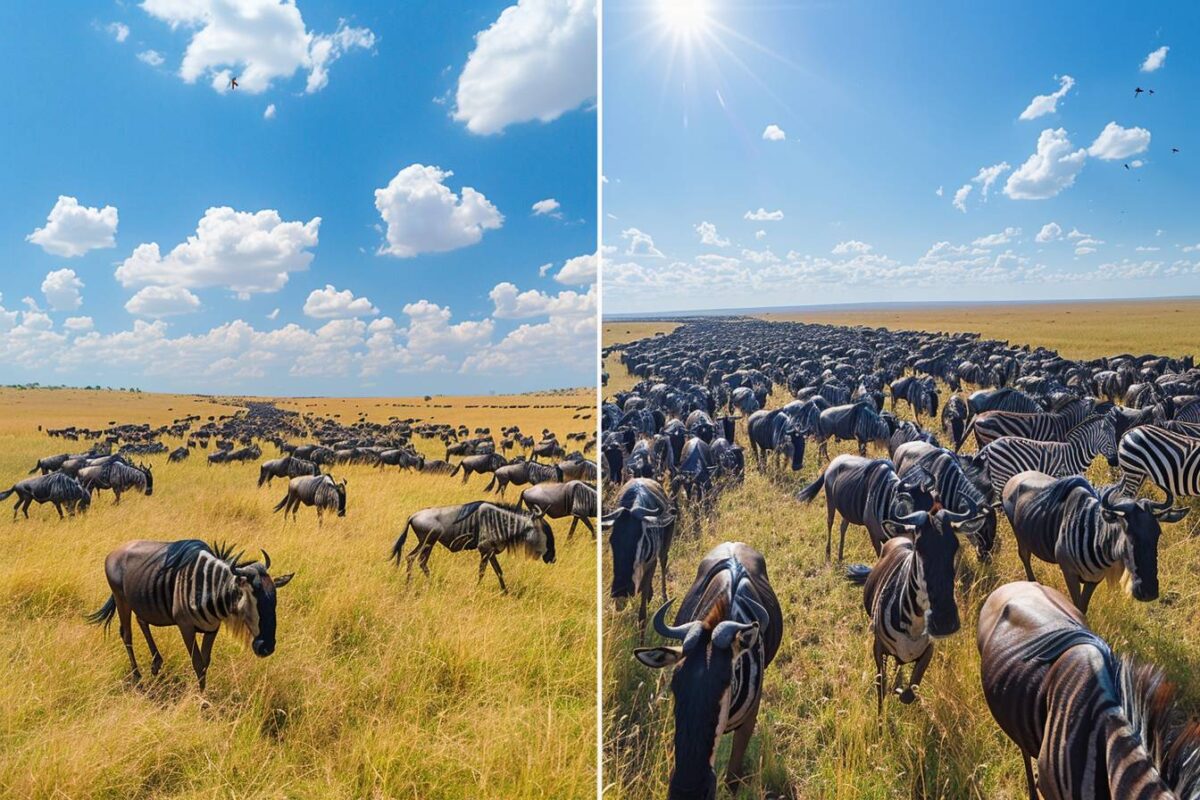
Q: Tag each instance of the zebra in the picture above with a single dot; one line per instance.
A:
(575, 499)
(640, 531)
(1004, 399)
(1170, 460)
(866, 492)
(909, 593)
(490, 528)
(58, 488)
(1043, 426)
(314, 490)
(290, 466)
(954, 489)
(729, 628)
(1009, 455)
(1099, 726)
(520, 473)
(119, 477)
(859, 421)
(196, 587)
(775, 430)
(1090, 535)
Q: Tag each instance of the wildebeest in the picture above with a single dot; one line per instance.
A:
(484, 462)
(490, 528)
(314, 490)
(1090, 535)
(775, 430)
(290, 466)
(1099, 726)
(909, 593)
(399, 457)
(57, 488)
(867, 492)
(119, 477)
(640, 531)
(575, 499)
(920, 393)
(196, 587)
(520, 473)
(729, 627)
(859, 421)
(178, 454)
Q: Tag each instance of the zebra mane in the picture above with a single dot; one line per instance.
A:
(1171, 739)
(1090, 419)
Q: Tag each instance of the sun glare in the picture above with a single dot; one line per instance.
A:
(684, 16)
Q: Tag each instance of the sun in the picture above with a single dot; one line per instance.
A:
(684, 17)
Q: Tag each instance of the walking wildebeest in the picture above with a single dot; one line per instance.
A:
(574, 499)
(57, 488)
(118, 477)
(196, 587)
(640, 533)
(484, 462)
(314, 490)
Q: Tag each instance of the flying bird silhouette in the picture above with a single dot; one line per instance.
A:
(1126, 166)
(233, 84)
(1174, 149)
(1137, 91)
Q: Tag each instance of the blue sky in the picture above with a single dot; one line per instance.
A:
(124, 110)
(883, 113)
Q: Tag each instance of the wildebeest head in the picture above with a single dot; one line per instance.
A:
(341, 493)
(701, 685)
(796, 436)
(1141, 522)
(145, 470)
(627, 527)
(935, 540)
(256, 607)
(540, 537)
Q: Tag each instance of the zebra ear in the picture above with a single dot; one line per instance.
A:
(658, 657)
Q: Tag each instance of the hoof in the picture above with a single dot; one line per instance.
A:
(908, 696)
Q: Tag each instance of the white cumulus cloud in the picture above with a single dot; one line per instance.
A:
(61, 289)
(151, 57)
(773, 133)
(118, 30)
(1049, 232)
(162, 301)
(853, 246)
(1048, 103)
(1116, 142)
(960, 197)
(423, 215)
(537, 61)
(329, 303)
(762, 215)
(1153, 61)
(640, 244)
(709, 236)
(547, 207)
(1049, 170)
(579, 270)
(72, 230)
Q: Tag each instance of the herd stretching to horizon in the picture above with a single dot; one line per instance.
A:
(199, 587)
(1097, 725)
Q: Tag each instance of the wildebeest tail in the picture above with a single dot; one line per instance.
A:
(105, 615)
(398, 547)
(283, 502)
(36, 467)
(961, 439)
(7, 492)
(809, 493)
(491, 483)
(262, 475)
(454, 471)
(857, 573)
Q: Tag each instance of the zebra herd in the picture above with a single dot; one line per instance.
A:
(1098, 725)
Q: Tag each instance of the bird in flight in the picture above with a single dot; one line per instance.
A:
(233, 84)
(1174, 149)
(1126, 166)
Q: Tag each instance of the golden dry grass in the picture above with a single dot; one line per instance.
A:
(443, 689)
(818, 735)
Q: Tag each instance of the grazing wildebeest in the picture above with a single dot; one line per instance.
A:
(490, 528)
(775, 430)
(860, 421)
(729, 627)
(695, 470)
(520, 473)
(399, 457)
(118, 477)
(920, 393)
(484, 462)
(178, 454)
(867, 492)
(909, 593)
(954, 419)
(52, 463)
(314, 490)
(1099, 726)
(579, 470)
(437, 467)
(290, 466)
(196, 587)
(640, 532)
(1090, 535)
(575, 499)
(57, 488)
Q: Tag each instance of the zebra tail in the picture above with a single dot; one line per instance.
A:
(7, 493)
(398, 547)
(104, 615)
(857, 573)
(283, 502)
(810, 492)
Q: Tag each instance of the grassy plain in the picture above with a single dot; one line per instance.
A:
(443, 689)
(818, 735)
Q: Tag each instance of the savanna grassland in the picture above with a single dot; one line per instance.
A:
(818, 734)
(443, 689)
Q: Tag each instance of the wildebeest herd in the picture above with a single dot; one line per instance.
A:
(199, 587)
(994, 428)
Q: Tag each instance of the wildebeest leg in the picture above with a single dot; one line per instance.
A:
(647, 593)
(58, 508)
(156, 658)
(1024, 553)
(189, 643)
(1073, 588)
(862, 448)
(823, 449)
(842, 540)
(737, 754)
(499, 574)
(206, 644)
(829, 512)
(880, 674)
(126, 630)
(320, 516)
(25, 508)
(591, 528)
(1029, 781)
(1086, 594)
(909, 694)
(117, 494)
(426, 550)
(571, 530)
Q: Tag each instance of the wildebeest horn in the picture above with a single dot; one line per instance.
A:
(760, 613)
(962, 516)
(723, 634)
(266, 560)
(915, 518)
(681, 632)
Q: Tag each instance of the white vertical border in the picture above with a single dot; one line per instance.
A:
(599, 395)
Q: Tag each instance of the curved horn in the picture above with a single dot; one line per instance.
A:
(266, 560)
(962, 516)
(722, 635)
(668, 631)
(915, 518)
(760, 612)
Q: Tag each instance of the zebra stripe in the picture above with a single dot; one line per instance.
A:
(1170, 460)
(1010, 455)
